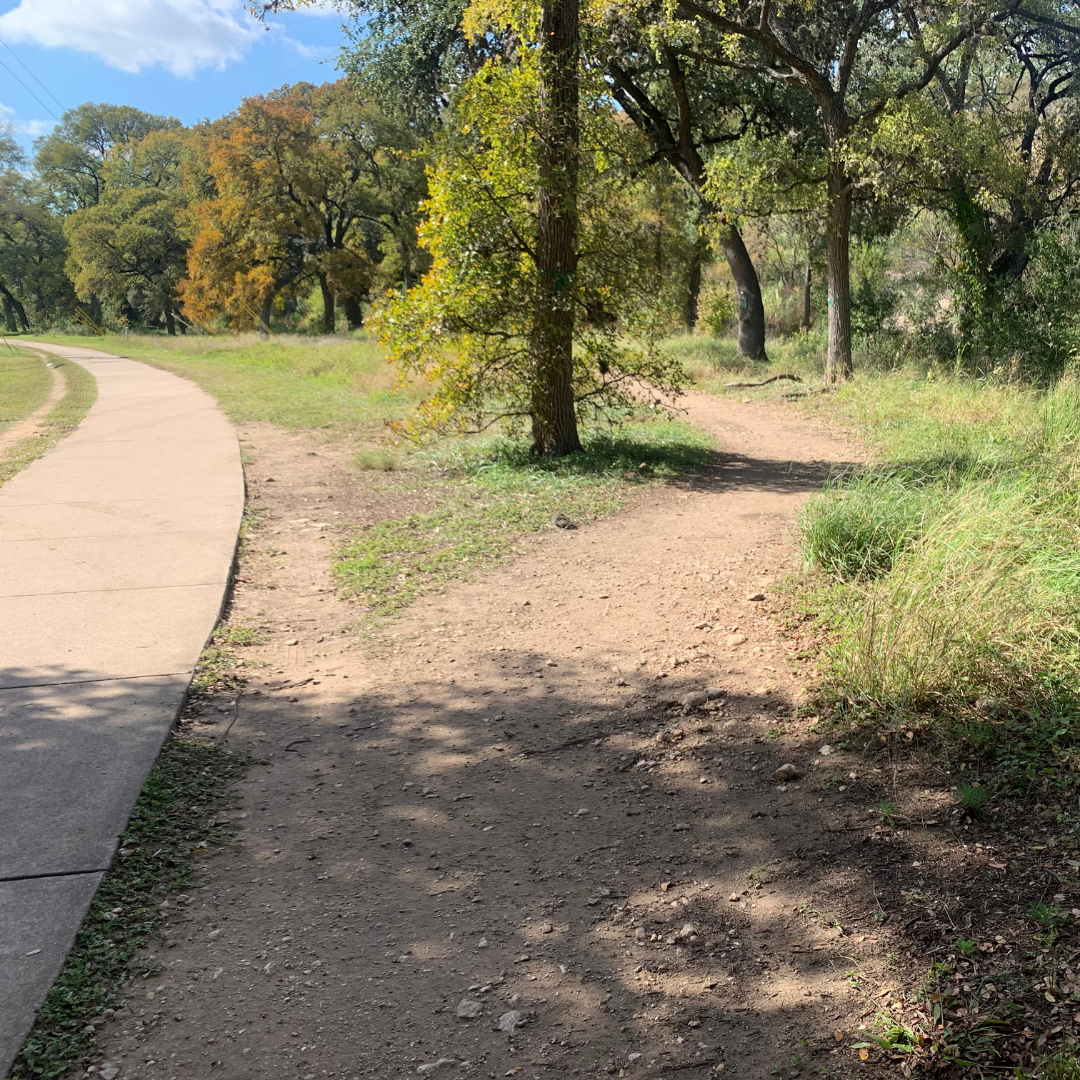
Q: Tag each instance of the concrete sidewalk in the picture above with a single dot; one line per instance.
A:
(115, 552)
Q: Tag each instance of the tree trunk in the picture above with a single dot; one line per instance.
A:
(806, 297)
(329, 316)
(751, 308)
(838, 362)
(693, 293)
(354, 313)
(170, 321)
(17, 308)
(9, 313)
(264, 316)
(551, 340)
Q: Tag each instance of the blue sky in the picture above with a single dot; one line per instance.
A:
(187, 58)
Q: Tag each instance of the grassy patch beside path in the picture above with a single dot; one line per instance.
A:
(24, 386)
(79, 395)
(496, 495)
(342, 386)
(174, 823)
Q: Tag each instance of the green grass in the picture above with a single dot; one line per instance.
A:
(712, 362)
(79, 394)
(951, 570)
(24, 386)
(342, 386)
(170, 827)
(496, 495)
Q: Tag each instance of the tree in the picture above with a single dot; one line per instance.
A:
(469, 327)
(71, 160)
(129, 247)
(853, 58)
(310, 184)
(551, 338)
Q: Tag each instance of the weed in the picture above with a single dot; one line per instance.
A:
(966, 947)
(1048, 917)
(888, 813)
(972, 798)
(171, 824)
(1059, 1066)
(375, 459)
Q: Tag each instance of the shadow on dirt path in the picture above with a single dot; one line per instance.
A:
(492, 848)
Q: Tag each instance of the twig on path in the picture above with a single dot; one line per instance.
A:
(688, 1065)
(295, 742)
(581, 741)
(775, 378)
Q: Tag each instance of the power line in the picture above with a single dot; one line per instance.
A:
(29, 91)
(32, 75)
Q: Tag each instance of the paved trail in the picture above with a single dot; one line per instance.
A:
(115, 551)
(497, 809)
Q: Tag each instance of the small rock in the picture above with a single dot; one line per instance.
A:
(546, 928)
(214, 934)
(714, 692)
(682, 826)
(826, 750)
(645, 469)
(292, 641)
(733, 897)
(688, 930)
(734, 640)
(632, 1058)
(550, 663)
(786, 773)
(756, 597)
(620, 682)
(639, 933)
(509, 1020)
(666, 701)
(695, 699)
(469, 1008)
(482, 943)
(561, 521)
(107, 1070)
(987, 706)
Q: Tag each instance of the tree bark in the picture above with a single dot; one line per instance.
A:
(8, 312)
(551, 341)
(751, 308)
(354, 313)
(170, 321)
(693, 292)
(838, 361)
(264, 316)
(329, 318)
(806, 297)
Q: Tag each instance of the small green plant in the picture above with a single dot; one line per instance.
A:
(241, 636)
(972, 798)
(966, 947)
(1048, 917)
(1058, 1066)
(375, 459)
(888, 813)
(756, 874)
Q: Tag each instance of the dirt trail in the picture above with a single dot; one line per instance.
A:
(496, 808)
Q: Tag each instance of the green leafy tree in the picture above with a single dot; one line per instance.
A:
(854, 59)
(130, 247)
(468, 328)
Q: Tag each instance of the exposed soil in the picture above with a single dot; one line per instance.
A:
(492, 810)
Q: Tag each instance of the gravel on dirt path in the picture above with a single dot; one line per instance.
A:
(498, 844)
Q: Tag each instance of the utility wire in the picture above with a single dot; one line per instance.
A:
(32, 75)
(29, 91)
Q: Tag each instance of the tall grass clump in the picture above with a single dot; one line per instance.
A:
(954, 571)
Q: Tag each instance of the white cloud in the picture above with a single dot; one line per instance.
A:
(180, 35)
